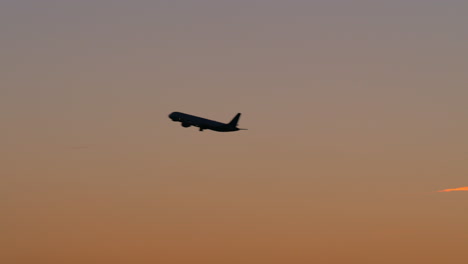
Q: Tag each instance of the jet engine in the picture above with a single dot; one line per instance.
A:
(185, 124)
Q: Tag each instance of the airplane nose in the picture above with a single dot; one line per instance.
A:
(172, 116)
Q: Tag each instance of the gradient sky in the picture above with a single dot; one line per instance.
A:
(357, 115)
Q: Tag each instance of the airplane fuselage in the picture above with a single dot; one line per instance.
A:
(203, 123)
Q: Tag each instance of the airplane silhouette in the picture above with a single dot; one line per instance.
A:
(202, 123)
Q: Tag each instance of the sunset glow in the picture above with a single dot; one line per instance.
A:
(356, 114)
(455, 190)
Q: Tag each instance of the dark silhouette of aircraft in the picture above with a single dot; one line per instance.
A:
(202, 123)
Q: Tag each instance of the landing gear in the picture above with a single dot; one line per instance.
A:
(200, 129)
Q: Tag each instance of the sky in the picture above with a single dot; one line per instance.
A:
(356, 113)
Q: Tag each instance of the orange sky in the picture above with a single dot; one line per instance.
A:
(356, 113)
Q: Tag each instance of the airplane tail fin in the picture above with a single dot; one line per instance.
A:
(235, 120)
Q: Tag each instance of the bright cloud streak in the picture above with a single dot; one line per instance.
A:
(454, 190)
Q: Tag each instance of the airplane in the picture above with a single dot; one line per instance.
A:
(202, 123)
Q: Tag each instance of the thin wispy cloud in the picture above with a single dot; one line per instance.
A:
(455, 190)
